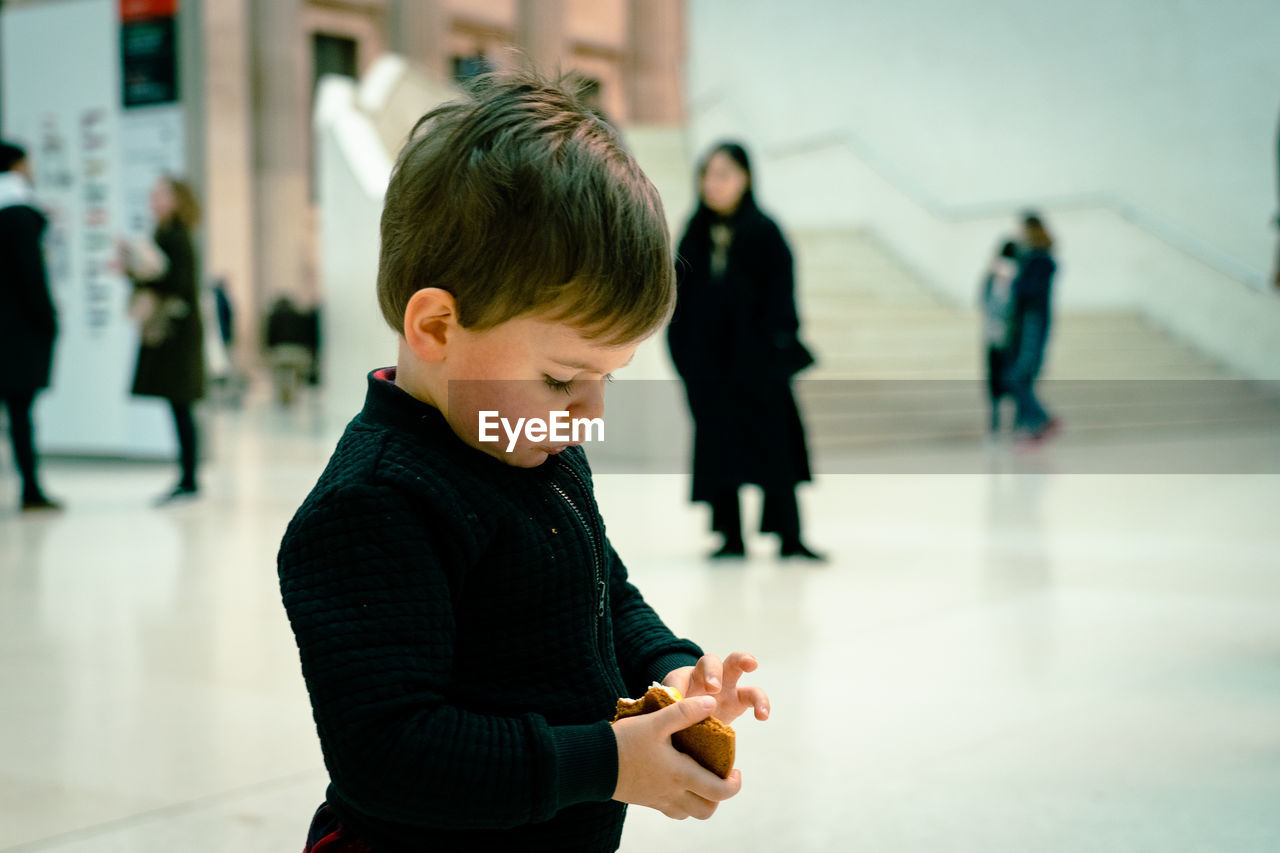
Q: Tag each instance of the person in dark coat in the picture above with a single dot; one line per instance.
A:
(28, 322)
(734, 341)
(1032, 319)
(171, 353)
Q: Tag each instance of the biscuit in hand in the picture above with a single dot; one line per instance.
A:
(708, 742)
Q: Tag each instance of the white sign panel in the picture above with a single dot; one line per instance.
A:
(93, 165)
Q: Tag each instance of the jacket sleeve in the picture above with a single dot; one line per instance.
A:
(179, 277)
(29, 271)
(647, 649)
(778, 322)
(369, 600)
(779, 298)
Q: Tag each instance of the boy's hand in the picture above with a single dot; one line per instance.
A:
(652, 773)
(711, 677)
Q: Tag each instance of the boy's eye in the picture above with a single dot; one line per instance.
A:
(556, 385)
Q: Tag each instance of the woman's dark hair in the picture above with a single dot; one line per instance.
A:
(738, 154)
(1038, 236)
(1009, 250)
(10, 156)
(517, 198)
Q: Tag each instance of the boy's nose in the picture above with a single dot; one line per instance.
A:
(590, 403)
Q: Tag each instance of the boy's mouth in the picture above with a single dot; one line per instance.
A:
(552, 451)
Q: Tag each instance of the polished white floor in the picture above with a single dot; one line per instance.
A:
(1016, 660)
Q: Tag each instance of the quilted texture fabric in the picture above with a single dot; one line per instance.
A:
(465, 630)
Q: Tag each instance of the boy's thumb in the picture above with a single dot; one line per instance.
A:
(685, 713)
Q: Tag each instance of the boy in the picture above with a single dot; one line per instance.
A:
(464, 625)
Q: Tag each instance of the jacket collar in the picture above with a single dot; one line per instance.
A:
(387, 404)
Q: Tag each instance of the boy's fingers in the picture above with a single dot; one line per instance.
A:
(756, 698)
(707, 675)
(710, 787)
(686, 712)
(697, 807)
(734, 666)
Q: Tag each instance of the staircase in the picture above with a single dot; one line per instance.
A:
(899, 366)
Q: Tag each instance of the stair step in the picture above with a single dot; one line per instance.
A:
(898, 365)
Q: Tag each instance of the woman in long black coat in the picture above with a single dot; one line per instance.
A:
(171, 352)
(28, 323)
(1032, 320)
(734, 341)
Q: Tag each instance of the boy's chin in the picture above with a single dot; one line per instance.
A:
(521, 457)
(529, 458)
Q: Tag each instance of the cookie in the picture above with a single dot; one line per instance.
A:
(708, 742)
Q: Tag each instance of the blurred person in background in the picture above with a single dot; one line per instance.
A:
(996, 301)
(166, 302)
(734, 341)
(1031, 320)
(28, 323)
(228, 385)
(293, 340)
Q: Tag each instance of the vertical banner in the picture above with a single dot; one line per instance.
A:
(149, 52)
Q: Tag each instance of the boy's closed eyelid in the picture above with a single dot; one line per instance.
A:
(554, 384)
(566, 385)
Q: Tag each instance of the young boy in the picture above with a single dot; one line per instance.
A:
(464, 625)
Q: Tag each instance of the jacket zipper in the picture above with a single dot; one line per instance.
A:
(597, 566)
(598, 588)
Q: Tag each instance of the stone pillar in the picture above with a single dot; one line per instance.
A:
(656, 61)
(228, 163)
(418, 30)
(540, 33)
(281, 151)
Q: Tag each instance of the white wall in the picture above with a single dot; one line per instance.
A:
(1170, 106)
(353, 168)
(1146, 132)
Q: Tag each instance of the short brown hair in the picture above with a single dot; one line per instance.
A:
(517, 198)
(186, 206)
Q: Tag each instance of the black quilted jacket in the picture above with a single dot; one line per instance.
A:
(465, 630)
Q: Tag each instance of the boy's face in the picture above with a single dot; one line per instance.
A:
(526, 368)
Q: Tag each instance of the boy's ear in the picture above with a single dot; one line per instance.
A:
(430, 320)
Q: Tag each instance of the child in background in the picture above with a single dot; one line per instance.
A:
(997, 321)
(464, 625)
